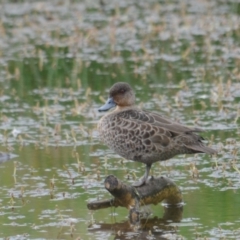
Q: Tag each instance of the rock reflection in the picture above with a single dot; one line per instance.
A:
(149, 228)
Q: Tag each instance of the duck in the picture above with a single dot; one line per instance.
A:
(144, 136)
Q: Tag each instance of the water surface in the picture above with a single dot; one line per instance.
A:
(59, 58)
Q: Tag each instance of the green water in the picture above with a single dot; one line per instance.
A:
(57, 61)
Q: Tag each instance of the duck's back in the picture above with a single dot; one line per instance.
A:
(148, 137)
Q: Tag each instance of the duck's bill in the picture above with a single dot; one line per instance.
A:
(108, 105)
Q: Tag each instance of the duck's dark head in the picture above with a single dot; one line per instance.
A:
(120, 94)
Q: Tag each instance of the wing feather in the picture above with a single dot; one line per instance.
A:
(157, 120)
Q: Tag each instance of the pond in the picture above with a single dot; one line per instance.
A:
(58, 60)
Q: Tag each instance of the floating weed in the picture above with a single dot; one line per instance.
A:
(67, 137)
(237, 116)
(236, 168)
(69, 174)
(102, 99)
(60, 218)
(92, 221)
(83, 131)
(72, 229)
(224, 167)
(77, 109)
(216, 163)
(73, 135)
(98, 174)
(15, 165)
(44, 111)
(203, 105)
(41, 59)
(196, 120)
(90, 134)
(230, 184)
(132, 175)
(88, 92)
(57, 129)
(5, 137)
(21, 141)
(194, 170)
(52, 186)
(17, 73)
(21, 196)
(12, 201)
(80, 165)
(178, 101)
(212, 139)
(105, 160)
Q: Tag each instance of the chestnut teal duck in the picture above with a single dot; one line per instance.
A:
(144, 136)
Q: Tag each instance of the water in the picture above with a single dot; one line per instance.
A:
(58, 59)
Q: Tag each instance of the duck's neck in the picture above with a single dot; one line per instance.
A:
(122, 108)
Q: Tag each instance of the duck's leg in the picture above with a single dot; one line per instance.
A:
(144, 178)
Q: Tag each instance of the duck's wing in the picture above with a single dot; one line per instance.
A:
(157, 130)
(155, 119)
(142, 132)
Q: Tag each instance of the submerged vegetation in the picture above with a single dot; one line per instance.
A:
(57, 60)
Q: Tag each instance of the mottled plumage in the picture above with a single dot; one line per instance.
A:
(144, 136)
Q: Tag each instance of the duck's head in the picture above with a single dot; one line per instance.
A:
(121, 95)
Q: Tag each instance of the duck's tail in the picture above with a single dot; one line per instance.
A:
(202, 149)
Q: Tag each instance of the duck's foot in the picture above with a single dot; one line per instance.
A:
(140, 182)
(144, 178)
